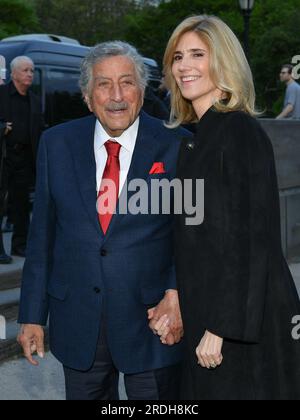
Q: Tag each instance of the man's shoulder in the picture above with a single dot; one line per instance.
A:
(69, 128)
(293, 87)
(160, 130)
(34, 95)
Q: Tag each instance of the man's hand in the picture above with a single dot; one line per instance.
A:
(165, 319)
(31, 338)
(8, 128)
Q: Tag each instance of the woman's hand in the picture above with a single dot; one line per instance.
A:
(209, 351)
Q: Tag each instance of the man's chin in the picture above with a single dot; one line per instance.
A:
(117, 131)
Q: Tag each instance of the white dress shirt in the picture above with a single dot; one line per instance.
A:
(127, 140)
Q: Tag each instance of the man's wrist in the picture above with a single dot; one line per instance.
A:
(171, 292)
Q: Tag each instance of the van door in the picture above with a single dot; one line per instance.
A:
(63, 100)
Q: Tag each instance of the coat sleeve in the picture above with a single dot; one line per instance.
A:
(34, 300)
(2, 129)
(238, 296)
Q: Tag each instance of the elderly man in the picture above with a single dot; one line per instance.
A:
(99, 272)
(21, 109)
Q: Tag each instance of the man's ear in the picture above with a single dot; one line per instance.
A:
(88, 102)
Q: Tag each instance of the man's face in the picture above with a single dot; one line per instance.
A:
(285, 76)
(115, 96)
(23, 74)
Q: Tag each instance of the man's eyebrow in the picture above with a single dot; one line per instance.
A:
(127, 75)
(109, 78)
(102, 77)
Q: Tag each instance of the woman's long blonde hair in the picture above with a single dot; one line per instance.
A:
(229, 69)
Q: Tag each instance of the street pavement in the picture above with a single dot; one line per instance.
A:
(21, 381)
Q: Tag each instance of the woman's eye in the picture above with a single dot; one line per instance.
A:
(198, 55)
(177, 57)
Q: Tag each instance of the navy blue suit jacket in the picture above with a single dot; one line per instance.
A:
(76, 274)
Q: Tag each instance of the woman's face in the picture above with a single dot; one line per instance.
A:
(191, 70)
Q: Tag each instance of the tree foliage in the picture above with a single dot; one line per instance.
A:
(16, 17)
(148, 24)
(274, 36)
(89, 21)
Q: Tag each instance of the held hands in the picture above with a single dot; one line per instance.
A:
(31, 338)
(165, 319)
(209, 351)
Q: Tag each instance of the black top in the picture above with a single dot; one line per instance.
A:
(155, 106)
(8, 113)
(20, 114)
(233, 279)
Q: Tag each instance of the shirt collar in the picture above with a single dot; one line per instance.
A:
(13, 90)
(126, 140)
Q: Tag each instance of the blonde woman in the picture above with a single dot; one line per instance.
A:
(237, 295)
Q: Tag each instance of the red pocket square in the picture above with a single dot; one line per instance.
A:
(157, 168)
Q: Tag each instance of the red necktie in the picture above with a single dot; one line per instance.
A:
(112, 174)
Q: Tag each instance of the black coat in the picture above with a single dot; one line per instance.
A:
(154, 106)
(36, 117)
(232, 276)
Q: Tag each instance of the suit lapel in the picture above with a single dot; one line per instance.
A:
(141, 163)
(144, 152)
(85, 169)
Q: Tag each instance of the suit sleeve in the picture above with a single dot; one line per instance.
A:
(2, 129)
(34, 300)
(238, 295)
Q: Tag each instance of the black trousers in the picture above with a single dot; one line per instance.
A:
(101, 381)
(18, 177)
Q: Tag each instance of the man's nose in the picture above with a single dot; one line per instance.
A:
(116, 93)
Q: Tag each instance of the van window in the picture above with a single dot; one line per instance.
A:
(37, 84)
(63, 96)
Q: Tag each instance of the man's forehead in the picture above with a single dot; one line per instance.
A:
(115, 62)
(115, 72)
(110, 76)
(25, 65)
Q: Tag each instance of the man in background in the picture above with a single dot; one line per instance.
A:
(292, 96)
(21, 109)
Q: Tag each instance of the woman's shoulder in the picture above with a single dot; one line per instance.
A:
(246, 131)
(240, 119)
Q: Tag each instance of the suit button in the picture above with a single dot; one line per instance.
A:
(97, 290)
(190, 145)
(103, 253)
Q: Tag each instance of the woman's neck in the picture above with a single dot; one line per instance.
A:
(203, 104)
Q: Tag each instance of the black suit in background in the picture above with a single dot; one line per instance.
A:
(233, 278)
(154, 106)
(21, 146)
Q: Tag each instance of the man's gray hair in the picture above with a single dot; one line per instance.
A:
(15, 63)
(111, 49)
